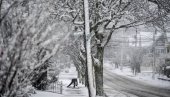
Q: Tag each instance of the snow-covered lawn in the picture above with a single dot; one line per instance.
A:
(144, 76)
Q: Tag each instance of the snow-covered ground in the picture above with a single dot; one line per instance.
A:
(81, 91)
(46, 94)
(65, 77)
(144, 76)
(114, 93)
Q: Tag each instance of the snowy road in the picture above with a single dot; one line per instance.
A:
(129, 86)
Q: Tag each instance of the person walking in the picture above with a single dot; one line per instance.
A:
(74, 82)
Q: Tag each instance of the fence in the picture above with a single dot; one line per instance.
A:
(55, 87)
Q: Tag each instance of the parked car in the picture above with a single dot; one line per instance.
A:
(166, 68)
(167, 71)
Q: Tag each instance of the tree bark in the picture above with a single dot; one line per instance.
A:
(99, 72)
(99, 54)
(99, 80)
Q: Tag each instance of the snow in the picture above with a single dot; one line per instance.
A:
(168, 67)
(55, 49)
(146, 38)
(145, 77)
(65, 78)
(114, 93)
(46, 94)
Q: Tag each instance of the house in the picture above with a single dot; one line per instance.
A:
(160, 45)
(162, 48)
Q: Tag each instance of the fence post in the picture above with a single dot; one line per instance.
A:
(61, 87)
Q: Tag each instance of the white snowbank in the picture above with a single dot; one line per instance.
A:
(144, 76)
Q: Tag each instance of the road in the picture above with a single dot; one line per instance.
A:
(130, 87)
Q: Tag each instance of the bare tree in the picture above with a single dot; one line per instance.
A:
(76, 51)
(136, 59)
(105, 18)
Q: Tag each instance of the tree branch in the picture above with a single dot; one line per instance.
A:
(160, 4)
(99, 23)
(9, 8)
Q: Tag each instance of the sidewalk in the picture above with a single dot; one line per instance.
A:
(79, 91)
(65, 77)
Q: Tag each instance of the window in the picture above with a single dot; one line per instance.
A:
(168, 49)
(160, 51)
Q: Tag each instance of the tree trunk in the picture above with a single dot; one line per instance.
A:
(99, 72)
(99, 80)
(91, 88)
(138, 68)
(98, 68)
(116, 65)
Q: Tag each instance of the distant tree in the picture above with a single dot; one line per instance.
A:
(77, 53)
(136, 59)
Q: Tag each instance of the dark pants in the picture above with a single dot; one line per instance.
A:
(73, 81)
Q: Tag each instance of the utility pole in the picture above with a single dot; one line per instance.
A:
(92, 92)
(136, 38)
(154, 53)
(121, 52)
(136, 44)
(140, 40)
